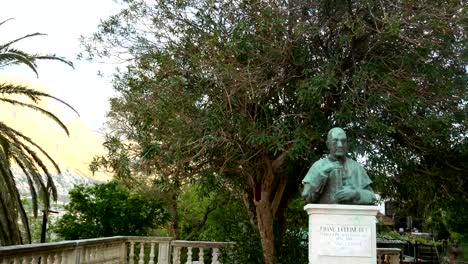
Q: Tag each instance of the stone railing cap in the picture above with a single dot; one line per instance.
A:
(200, 244)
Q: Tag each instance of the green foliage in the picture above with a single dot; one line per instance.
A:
(293, 234)
(413, 239)
(230, 222)
(35, 222)
(456, 216)
(109, 209)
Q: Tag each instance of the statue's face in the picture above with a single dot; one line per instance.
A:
(337, 143)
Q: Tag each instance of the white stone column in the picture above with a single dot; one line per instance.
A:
(342, 234)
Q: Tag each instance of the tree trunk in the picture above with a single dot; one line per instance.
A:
(265, 227)
(267, 196)
(44, 225)
(174, 225)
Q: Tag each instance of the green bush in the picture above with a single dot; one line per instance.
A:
(109, 209)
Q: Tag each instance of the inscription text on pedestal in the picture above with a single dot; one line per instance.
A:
(344, 240)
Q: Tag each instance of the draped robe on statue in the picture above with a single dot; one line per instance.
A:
(324, 187)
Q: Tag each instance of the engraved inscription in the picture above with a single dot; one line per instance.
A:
(345, 240)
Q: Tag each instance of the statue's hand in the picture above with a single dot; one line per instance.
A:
(306, 192)
(346, 194)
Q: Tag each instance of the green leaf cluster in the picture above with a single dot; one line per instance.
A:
(413, 239)
(109, 209)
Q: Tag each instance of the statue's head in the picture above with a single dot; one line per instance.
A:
(337, 143)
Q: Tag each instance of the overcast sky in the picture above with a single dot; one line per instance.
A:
(63, 21)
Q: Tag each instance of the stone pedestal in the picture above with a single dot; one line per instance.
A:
(342, 234)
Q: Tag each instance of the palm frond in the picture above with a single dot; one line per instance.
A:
(21, 38)
(32, 158)
(16, 89)
(9, 204)
(27, 164)
(29, 177)
(6, 20)
(54, 57)
(35, 95)
(39, 109)
(16, 148)
(36, 179)
(10, 57)
(13, 135)
(22, 213)
(21, 157)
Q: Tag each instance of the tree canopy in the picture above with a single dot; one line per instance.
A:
(244, 92)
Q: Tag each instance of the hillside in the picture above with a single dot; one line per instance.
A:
(63, 182)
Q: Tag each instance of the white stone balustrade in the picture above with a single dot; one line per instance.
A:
(132, 250)
(90, 251)
(151, 250)
(141, 250)
(210, 250)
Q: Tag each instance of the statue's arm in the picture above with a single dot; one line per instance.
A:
(366, 196)
(314, 183)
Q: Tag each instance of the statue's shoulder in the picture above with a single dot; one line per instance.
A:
(319, 163)
(357, 167)
(322, 161)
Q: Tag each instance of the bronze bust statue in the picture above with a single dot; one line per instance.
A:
(337, 179)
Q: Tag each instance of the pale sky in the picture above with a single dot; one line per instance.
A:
(63, 21)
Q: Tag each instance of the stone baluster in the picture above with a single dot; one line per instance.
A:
(164, 252)
(142, 253)
(35, 259)
(176, 255)
(49, 258)
(84, 255)
(151, 260)
(189, 255)
(64, 258)
(103, 252)
(114, 252)
(57, 258)
(89, 255)
(201, 257)
(215, 256)
(132, 253)
(25, 260)
(98, 252)
(95, 254)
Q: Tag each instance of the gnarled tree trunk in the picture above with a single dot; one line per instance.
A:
(268, 192)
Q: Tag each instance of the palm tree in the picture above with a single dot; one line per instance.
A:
(18, 150)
